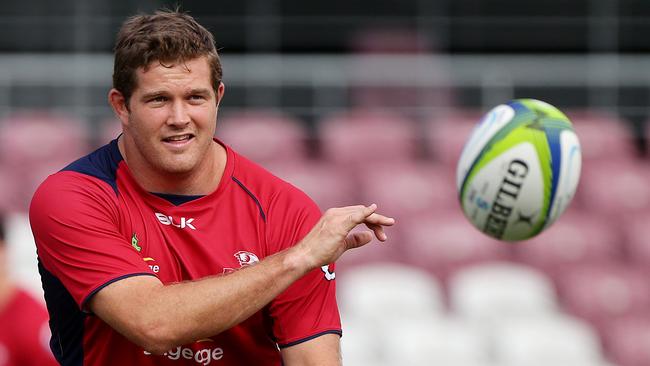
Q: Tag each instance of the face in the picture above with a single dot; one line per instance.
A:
(171, 117)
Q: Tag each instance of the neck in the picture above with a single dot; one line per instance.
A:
(202, 180)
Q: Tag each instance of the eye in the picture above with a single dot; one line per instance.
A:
(157, 99)
(196, 98)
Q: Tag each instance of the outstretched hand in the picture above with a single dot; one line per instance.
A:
(331, 236)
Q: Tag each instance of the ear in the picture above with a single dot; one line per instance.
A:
(220, 91)
(118, 103)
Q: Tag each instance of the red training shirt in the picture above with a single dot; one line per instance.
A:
(94, 225)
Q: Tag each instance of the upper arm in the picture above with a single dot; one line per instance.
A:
(126, 306)
(324, 350)
(75, 224)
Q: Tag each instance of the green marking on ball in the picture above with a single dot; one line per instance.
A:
(482, 158)
(537, 137)
(543, 109)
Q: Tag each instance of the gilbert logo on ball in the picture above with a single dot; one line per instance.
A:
(519, 169)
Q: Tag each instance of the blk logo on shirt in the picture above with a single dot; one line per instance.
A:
(181, 223)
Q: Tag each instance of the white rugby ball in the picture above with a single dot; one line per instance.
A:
(519, 170)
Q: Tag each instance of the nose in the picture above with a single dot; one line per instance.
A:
(178, 115)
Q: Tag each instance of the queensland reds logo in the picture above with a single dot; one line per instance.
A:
(246, 258)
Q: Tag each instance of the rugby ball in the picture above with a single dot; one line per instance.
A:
(519, 170)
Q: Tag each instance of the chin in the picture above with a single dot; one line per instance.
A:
(180, 162)
(177, 166)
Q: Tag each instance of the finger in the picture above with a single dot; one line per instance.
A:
(358, 239)
(378, 219)
(378, 230)
(359, 214)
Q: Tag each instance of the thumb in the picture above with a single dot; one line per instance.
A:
(358, 239)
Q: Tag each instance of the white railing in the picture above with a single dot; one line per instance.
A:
(494, 75)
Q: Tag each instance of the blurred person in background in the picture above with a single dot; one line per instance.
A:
(24, 333)
(165, 246)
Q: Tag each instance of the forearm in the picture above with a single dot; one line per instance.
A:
(206, 307)
(172, 315)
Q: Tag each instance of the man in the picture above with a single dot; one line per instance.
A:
(167, 247)
(23, 330)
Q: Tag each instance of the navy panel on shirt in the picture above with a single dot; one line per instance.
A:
(101, 163)
(68, 326)
(177, 199)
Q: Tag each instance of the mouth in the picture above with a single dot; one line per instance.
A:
(178, 140)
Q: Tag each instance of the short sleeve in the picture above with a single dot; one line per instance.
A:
(308, 308)
(75, 222)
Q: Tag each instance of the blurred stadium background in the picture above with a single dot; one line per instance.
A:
(372, 101)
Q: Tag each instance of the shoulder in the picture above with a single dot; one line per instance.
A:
(101, 164)
(87, 182)
(272, 192)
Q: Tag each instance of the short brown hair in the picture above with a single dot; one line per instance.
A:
(167, 36)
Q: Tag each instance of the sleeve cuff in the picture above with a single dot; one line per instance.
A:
(302, 340)
(84, 303)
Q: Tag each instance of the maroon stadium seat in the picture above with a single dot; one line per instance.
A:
(264, 136)
(600, 293)
(627, 340)
(447, 133)
(444, 241)
(614, 188)
(636, 230)
(408, 188)
(577, 237)
(603, 136)
(326, 184)
(361, 137)
(11, 199)
(34, 145)
(31, 138)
